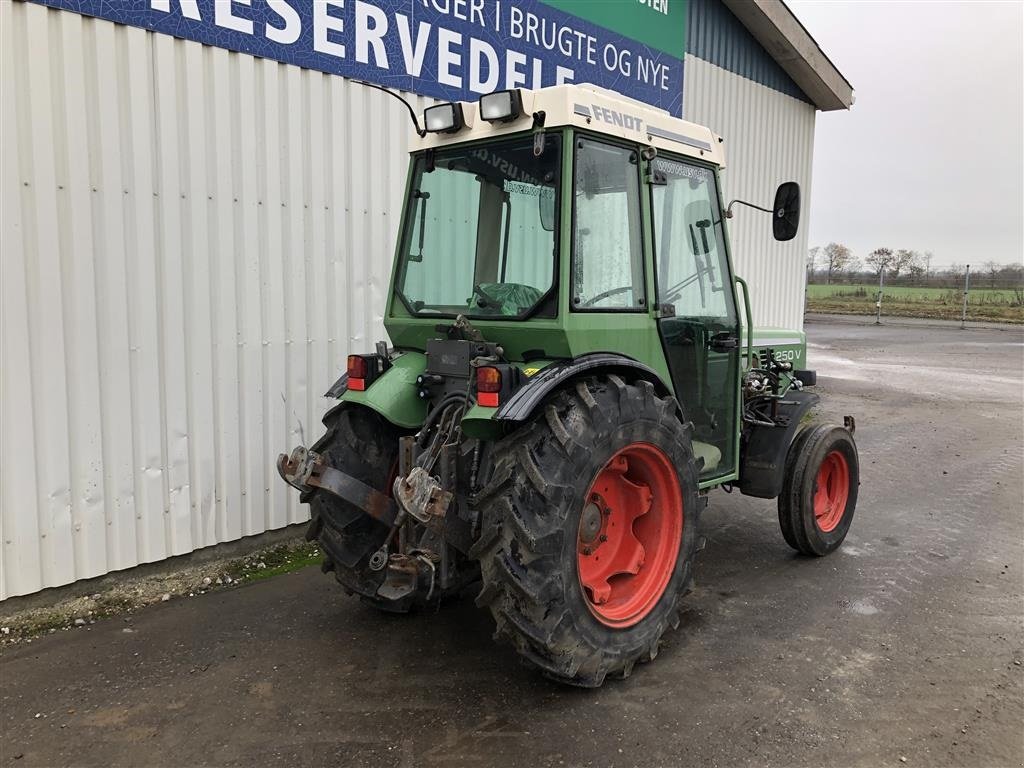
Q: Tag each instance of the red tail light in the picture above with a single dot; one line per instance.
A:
(488, 387)
(356, 367)
(356, 373)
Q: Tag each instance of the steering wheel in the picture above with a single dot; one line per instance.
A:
(606, 294)
(488, 300)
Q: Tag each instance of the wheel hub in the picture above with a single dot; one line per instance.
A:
(590, 522)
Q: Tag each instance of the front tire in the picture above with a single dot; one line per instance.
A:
(604, 458)
(819, 493)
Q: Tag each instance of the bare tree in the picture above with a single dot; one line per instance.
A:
(879, 259)
(837, 259)
(902, 260)
(812, 260)
(927, 258)
(1013, 275)
(993, 272)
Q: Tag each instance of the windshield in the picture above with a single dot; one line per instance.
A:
(480, 229)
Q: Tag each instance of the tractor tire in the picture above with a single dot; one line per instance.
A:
(361, 443)
(819, 492)
(605, 468)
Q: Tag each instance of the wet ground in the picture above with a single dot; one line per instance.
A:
(903, 648)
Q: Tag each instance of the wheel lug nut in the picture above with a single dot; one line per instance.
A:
(602, 537)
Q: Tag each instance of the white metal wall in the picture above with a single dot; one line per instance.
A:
(769, 138)
(192, 240)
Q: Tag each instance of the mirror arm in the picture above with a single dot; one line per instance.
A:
(728, 208)
(412, 113)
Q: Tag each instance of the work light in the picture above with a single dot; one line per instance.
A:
(501, 106)
(444, 118)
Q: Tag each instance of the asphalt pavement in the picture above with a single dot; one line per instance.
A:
(903, 648)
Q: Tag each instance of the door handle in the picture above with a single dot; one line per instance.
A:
(723, 342)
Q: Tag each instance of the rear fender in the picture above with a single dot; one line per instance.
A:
(393, 394)
(490, 423)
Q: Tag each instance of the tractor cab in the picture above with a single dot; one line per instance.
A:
(569, 221)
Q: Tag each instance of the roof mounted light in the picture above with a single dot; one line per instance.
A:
(501, 106)
(444, 118)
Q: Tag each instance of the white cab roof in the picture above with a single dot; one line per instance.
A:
(596, 109)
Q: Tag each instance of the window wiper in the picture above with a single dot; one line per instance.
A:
(508, 227)
(422, 197)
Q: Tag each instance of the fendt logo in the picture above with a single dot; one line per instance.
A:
(621, 119)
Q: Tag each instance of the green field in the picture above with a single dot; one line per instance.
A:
(995, 304)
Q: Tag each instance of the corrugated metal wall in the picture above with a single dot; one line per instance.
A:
(192, 240)
(769, 138)
(715, 35)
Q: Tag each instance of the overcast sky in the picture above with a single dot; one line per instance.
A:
(931, 156)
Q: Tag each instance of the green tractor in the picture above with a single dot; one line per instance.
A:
(570, 372)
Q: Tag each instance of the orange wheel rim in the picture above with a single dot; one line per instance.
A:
(831, 491)
(629, 535)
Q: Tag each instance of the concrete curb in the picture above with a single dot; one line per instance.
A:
(910, 322)
(229, 550)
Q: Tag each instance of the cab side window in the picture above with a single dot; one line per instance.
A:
(607, 256)
(692, 266)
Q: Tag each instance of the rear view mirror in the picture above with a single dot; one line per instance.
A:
(546, 207)
(786, 211)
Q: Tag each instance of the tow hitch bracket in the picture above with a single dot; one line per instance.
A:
(422, 496)
(306, 470)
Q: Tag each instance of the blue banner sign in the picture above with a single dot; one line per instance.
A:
(448, 49)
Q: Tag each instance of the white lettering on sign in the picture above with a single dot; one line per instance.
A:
(468, 47)
(324, 22)
(463, 10)
(478, 51)
(412, 52)
(189, 8)
(292, 28)
(371, 25)
(650, 72)
(223, 16)
(447, 58)
(661, 6)
(514, 76)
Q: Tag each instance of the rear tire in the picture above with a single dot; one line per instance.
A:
(538, 536)
(361, 443)
(819, 493)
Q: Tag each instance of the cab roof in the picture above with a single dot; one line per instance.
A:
(595, 109)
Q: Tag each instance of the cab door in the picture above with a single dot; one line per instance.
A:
(696, 306)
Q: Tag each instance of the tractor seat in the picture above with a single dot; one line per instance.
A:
(709, 453)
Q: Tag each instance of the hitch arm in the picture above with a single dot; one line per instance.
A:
(306, 470)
